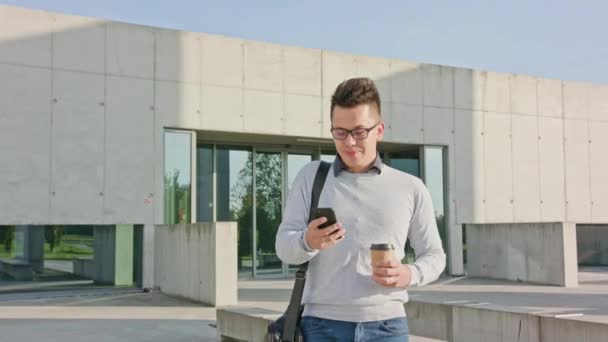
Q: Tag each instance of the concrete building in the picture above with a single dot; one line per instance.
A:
(110, 124)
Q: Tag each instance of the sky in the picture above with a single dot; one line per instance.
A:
(546, 38)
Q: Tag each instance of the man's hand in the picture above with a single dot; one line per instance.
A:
(392, 273)
(321, 239)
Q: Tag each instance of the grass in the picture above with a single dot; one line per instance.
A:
(70, 247)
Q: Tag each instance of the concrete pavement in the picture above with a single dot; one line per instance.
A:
(117, 315)
(108, 314)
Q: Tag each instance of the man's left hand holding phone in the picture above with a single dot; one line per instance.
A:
(323, 230)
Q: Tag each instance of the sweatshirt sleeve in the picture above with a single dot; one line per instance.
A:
(424, 238)
(290, 244)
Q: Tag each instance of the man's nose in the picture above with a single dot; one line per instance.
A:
(350, 140)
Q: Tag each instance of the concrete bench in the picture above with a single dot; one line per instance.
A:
(84, 267)
(242, 323)
(16, 269)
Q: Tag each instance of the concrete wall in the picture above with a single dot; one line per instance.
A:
(542, 253)
(198, 261)
(592, 244)
(113, 254)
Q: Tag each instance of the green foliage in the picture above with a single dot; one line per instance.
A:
(177, 199)
(7, 238)
(268, 202)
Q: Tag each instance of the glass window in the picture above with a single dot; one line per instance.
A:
(235, 198)
(406, 161)
(433, 178)
(7, 242)
(268, 189)
(177, 177)
(204, 183)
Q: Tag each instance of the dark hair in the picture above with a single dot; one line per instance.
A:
(354, 92)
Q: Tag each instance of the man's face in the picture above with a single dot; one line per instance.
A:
(357, 155)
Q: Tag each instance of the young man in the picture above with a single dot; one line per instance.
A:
(347, 298)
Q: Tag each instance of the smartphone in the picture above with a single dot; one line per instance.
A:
(324, 212)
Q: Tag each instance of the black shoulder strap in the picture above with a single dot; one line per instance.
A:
(317, 186)
(293, 310)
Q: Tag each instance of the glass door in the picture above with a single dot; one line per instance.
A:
(295, 162)
(234, 199)
(268, 189)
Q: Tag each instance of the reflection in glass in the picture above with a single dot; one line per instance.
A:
(204, 183)
(268, 184)
(7, 242)
(235, 198)
(433, 169)
(177, 177)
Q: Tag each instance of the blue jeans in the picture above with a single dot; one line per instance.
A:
(320, 329)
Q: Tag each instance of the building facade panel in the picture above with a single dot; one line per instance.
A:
(130, 50)
(25, 121)
(77, 154)
(491, 90)
(406, 82)
(177, 56)
(264, 112)
(78, 43)
(263, 67)
(463, 89)
(25, 37)
(498, 168)
(302, 71)
(222, 108)
(406, 123)
(576, 156)
(178, 104)
(129, 195)
(523, 96)
(303, 115)
(598, 102)
(598, 167)
(468, 167)
(551, 157)
(550, 97)
(576, 100)
(438, 84)
(526, 178)
(222, 61)
(438, 125)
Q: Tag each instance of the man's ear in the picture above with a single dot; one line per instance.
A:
(380, 129)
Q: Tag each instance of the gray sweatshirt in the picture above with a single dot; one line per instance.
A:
(382, 206)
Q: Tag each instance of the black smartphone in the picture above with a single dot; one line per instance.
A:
(324, 212)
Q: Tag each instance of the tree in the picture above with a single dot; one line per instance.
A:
(53, 235)
(7, 234)
(268, 202)
(177, 199)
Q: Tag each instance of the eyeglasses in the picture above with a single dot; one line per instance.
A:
(357, 133)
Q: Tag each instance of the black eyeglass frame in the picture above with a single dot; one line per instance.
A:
(352, 132)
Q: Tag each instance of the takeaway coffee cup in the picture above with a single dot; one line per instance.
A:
(381, 252)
